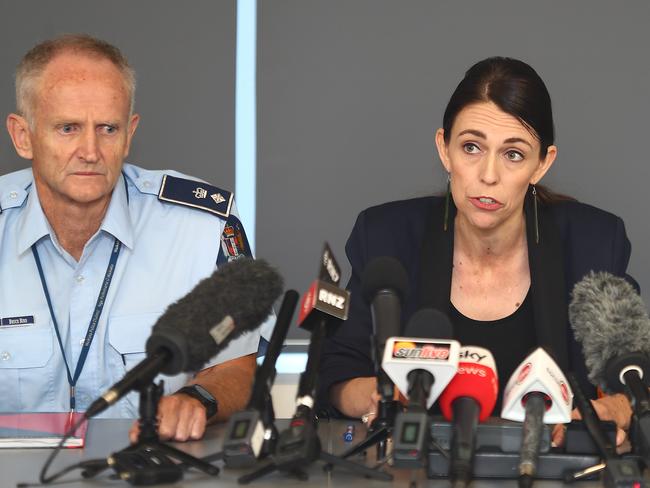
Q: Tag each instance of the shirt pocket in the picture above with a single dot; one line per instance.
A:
(128, 335)
(26, 377)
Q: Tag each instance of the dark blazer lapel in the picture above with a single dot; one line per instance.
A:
(546, 262)
(436, 260)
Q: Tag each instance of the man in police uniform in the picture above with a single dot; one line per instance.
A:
(93, 250)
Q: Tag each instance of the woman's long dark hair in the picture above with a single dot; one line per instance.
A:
(515, 88)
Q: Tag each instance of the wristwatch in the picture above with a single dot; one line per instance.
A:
(204, 396)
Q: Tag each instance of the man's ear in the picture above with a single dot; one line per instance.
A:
(20, 134)
(133, 125)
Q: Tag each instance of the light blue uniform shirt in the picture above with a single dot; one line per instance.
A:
(166, 249)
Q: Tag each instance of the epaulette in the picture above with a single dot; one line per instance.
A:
(196, 194)
(13, 188)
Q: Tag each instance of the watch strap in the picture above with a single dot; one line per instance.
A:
(204, 396)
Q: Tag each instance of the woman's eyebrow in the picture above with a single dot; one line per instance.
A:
(517, 139)
(473, 132)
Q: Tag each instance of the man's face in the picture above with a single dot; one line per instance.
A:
(81, 130)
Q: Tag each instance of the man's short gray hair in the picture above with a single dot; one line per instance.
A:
(33, 64)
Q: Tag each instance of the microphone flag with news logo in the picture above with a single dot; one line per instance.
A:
(536, 393)
(538, 373)
(475, 378)
(469, 398)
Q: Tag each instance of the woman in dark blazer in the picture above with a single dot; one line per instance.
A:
(499, 254)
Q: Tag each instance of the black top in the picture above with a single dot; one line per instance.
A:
(508, 354)
(574, 238)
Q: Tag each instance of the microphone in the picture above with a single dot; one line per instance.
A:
(234, 300)
(536, 393)
(249, 430)
(611, 322)
(416, 365)
(469, 398)
(384, 284)
(265, 374)
(322, 309)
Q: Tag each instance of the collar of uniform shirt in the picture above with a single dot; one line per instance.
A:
(117, 221)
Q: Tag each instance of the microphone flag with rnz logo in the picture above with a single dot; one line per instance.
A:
(325, 298)
(437, 356)
(538, 373)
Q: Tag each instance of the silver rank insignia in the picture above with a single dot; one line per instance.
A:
(201, 193)
(195, 194)
(217, 197)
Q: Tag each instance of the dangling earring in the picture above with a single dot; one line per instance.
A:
(447, 197)
(535, 214)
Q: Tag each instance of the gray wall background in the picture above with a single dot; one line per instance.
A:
(350, 94)
(184, 57)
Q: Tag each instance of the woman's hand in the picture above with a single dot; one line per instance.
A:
(357, 397)
(615, 408)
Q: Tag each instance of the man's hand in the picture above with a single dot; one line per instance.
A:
(615, 408)
(182, 418)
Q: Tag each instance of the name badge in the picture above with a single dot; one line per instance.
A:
(17, 321)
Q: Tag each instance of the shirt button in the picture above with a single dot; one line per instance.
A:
(81, 342)
(5, 356)
(13, 195)
(80, 279)
(147, 184)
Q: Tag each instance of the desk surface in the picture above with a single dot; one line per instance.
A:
(106, 436)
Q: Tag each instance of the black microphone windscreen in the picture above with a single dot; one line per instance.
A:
(383, 273)
(609, 319)
(429, 323)
(244, 290)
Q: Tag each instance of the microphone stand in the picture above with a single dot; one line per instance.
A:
(150, 461)
(238, 453)
(618, 471)
(637, 392)
(382, 426)
(299, 445)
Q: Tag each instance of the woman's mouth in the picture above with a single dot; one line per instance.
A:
(486, 203)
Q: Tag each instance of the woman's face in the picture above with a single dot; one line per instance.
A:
(492, 158)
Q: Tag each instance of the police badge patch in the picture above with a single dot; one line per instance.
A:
(234, 244)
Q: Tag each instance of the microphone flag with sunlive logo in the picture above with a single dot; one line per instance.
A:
(437, 356)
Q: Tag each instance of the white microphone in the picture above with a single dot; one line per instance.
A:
(536, 393)
(417, 365)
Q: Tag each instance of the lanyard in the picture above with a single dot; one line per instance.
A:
(94, 320)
